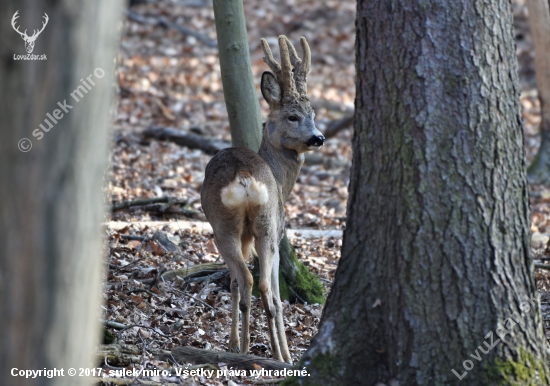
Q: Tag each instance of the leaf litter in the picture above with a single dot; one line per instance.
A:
(166, 78)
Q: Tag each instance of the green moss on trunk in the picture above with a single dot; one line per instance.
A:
(523, 371)
(296, 283)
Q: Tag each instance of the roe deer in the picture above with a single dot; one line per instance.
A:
(244, 192)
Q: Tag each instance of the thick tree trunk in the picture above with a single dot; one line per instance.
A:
(539, 19)
(51, 198)
(435, 267)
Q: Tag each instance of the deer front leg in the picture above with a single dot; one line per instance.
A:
(266, 249)
(279, 310)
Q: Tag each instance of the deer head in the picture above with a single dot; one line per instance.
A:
(29, 40)
(290, 124)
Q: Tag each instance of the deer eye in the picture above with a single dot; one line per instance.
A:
(293, 118)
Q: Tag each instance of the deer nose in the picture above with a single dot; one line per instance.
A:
(316, 140)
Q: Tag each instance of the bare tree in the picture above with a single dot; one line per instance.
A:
(435, 285)
(53, 153)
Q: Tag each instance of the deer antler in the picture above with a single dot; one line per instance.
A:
(301, 67)
(44, 23)
(270, 60)
(295, 86)
(15, 17)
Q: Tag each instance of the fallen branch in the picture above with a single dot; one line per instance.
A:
(238, 361)
(119, 354)
(161, 205)
(193, 141)
(213, 277)
(542, 266)
(165, 210)
(161, 21)
(147, 201)
(115, 325)
(132, 237)
(192, 271)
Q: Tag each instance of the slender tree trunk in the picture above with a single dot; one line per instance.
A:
(539, 19)
(435, 269)
(243, 108)
(241, 98)
(51, 199)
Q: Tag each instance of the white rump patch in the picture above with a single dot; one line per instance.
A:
(244, 191)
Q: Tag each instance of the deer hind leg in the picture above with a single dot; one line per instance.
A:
(234, 337)
(246, 292)
(230, 248)
(279, 310)
(267, 248)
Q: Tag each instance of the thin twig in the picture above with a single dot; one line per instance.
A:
(138, 290)
(128, 265)
(294, 292)
(194, 298)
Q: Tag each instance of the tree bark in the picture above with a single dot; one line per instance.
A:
(52, 206)
(539, 17)
(241, 98)
(435, 269)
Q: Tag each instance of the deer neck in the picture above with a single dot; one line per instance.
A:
(285, 165)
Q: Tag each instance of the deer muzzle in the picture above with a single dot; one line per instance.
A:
(316, 141)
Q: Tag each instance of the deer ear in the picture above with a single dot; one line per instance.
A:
(271, 90)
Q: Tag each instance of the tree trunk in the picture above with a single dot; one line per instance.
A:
(245, 121)
(241, 98)
(51, 207)
(539, 19)
(435, 267)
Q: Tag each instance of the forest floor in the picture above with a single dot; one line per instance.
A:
(171, 78)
